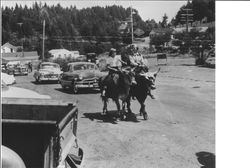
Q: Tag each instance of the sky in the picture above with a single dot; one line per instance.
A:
(147, 9)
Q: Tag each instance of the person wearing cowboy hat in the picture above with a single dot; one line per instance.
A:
(137, 61)
(114, 60)
(114, 66)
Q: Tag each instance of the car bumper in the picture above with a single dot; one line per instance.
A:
(49, 79)
(87, 85)
(20, 73)
(81, 84)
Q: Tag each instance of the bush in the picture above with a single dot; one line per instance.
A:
(160, 39)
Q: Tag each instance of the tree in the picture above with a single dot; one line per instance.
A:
(64, 24)
(164, 22)
(160, 39)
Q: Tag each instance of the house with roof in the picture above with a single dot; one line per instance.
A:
(138, 32)
(63, 53)
(9, 48)
(123, 27)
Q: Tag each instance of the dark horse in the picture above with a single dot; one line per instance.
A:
(117, 87)
(145, 83)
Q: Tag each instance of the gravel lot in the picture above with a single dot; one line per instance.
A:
(180, 132)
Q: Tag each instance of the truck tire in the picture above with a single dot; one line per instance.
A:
(10, 159)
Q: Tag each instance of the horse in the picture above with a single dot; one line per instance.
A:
(145, 83)
(117, 87)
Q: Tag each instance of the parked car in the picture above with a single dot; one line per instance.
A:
(16, 68)
(91, 57)
(8, 79)
(80, 75)
(210, 62)
(47, 71)
(21, 70)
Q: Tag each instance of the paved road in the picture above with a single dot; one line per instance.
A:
(180, 132)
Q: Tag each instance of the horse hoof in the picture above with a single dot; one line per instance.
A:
(145, 116)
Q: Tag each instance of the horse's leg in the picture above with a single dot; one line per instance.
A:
(123, 105)
(142, 109)
(105, 104)
(128, 104)
(118, 106)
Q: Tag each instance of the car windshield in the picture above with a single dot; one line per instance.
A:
(79, 67)
(49, 66)
(83, 67)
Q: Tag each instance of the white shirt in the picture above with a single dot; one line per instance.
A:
(114, 62)
(136, 59)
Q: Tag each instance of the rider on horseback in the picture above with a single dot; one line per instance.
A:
(114, 66)
(137, 61)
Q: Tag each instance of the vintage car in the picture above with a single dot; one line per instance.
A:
(91, 57)
(47, 71)
(210, 62)
(8, 79)
(80, 75)
(16, 68)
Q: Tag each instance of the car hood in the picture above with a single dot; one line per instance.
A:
(84, 74)
(49, 71)
(8, 79)
(16, 92)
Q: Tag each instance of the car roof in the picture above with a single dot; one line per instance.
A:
(52, 63)
(77, 63)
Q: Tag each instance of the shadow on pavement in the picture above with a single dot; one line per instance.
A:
(187, 65)
(44, 82)
(110, 117)
(81, 91)
(206, 159)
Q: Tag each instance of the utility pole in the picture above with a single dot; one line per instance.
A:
(132, 31)
(20, 24)
(43, 39)
(187, 17)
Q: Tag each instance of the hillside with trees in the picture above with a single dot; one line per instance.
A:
(84, 29)
(200, 8)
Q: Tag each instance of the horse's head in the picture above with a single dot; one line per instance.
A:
(127, 75)
(149, 79)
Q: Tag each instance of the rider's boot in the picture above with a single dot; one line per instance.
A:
(103, 93)
(133, 81)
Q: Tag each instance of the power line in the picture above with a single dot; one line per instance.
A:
(187, 17)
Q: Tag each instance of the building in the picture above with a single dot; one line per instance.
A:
(159, 32)
(63, 53)
(25, 57)
(138, 32)
(9, 48)
(123, 28)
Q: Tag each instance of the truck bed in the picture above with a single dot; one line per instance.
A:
(32, 128)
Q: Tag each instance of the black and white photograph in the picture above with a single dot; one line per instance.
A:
(108, 84)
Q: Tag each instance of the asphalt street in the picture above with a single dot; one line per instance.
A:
(180, 131)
